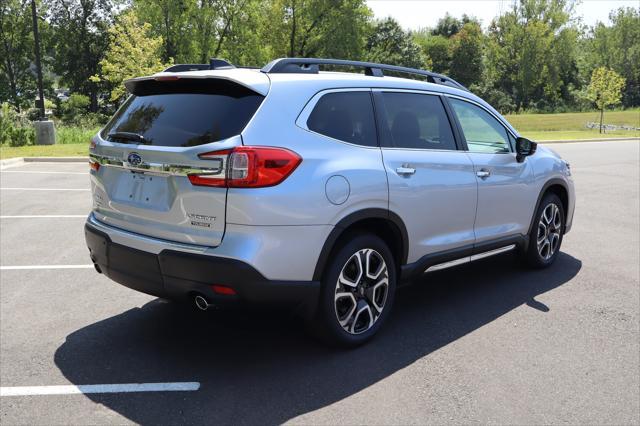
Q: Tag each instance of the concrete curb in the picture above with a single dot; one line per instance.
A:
(55, 159)
(11, 162)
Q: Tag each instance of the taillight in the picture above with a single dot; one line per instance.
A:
(207, 180)
(250, 167)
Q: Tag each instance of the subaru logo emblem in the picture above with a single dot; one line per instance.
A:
(134, 159)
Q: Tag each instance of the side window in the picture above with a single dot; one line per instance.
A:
(482, 131)
(417, 121)
(347, 116)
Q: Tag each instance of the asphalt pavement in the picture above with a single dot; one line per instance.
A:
(488, 342)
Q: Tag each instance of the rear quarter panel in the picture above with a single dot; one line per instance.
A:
(301, 199)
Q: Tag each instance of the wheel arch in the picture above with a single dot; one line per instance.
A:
(381, 222)
(555, 186)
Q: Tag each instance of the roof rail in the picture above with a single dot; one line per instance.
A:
(214, 64)
(312, 66)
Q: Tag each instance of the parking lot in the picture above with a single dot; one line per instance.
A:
(488, 342)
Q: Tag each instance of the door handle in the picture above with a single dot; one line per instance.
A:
(405, 170)
(483, 173)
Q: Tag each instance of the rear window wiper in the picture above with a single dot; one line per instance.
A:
(130, 137)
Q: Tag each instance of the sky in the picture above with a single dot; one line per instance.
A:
(415, 14)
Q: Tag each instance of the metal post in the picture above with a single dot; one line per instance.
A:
(36, 37)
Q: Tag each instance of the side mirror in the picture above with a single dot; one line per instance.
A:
(524, 148)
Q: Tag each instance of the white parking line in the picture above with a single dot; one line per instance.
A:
(25, 267)
(44, 216)
(110, 388)
(45, 189)
(44, 172)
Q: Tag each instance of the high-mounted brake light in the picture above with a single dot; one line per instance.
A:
(250, 167)
(167, 78)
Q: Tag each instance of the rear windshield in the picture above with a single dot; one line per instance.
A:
(182, 113)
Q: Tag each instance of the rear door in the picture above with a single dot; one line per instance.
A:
(153, 176)
(432, 185)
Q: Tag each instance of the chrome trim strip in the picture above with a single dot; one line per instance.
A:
(160, 168)
(449, 264)
(492, 252)
(469, 259)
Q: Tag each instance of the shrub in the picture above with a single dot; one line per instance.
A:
(75, 112)
(33, 114)
(76, 106)
(15, 129)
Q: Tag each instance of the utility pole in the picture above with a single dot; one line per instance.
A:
(36, 37)
(45, 130)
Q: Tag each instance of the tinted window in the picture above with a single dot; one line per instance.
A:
(184, 112)
(347, 116)
(417, 121)
(481, 130)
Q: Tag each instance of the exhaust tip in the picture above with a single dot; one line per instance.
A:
(201, 303)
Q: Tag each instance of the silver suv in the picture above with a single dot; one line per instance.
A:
(319, 190)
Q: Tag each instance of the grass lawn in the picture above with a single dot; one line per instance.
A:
(539, 127)
(58, 150)
(564, 135)
(571, 125)
(70, 142)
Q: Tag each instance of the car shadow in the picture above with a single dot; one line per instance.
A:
(260, 367)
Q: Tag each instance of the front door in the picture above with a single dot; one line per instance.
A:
(505, 205)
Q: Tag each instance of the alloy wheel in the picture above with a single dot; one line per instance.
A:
(361, 291)
(549, 229)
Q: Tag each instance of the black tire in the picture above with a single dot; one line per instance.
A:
(536, 256)
(326, 323)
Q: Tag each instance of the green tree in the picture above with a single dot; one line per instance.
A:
(172, 20)
(304, 28)
(389, 43)
(531, 54)
(437, 48)
(605, 89)
(17, 81)
(132, 52)
(448, 26)
(230, 29)
(467, 54)
(616, 47)
(80, 41)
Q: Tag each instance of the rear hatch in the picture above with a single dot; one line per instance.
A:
(145, 159)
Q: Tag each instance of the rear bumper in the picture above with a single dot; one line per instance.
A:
(179, 275)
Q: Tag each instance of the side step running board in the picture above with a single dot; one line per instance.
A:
(468, 259)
